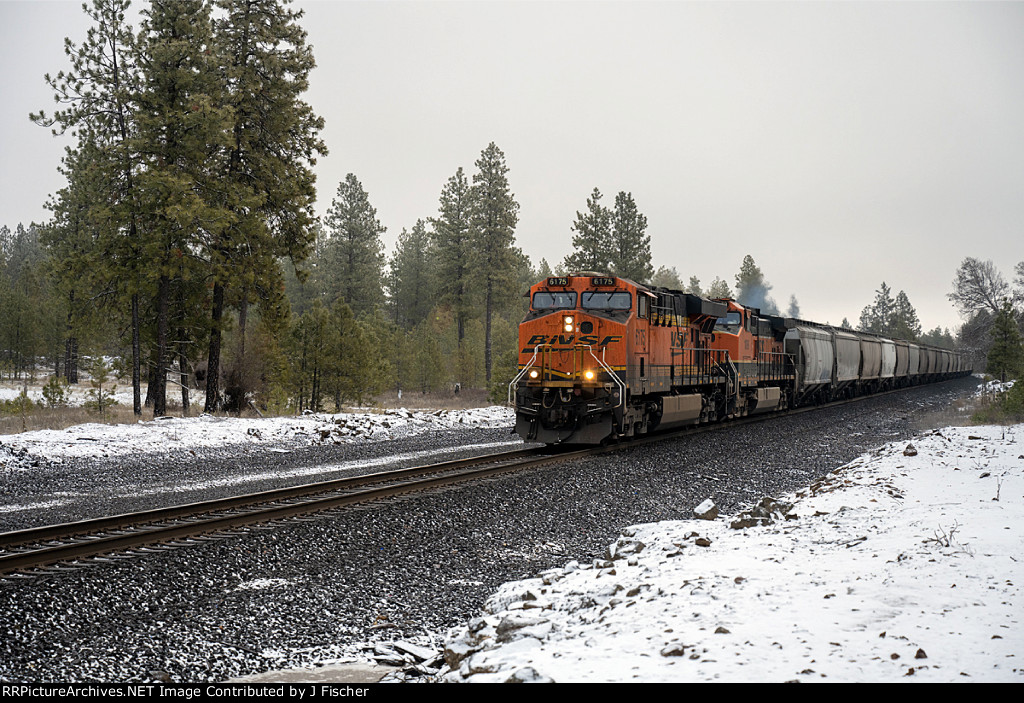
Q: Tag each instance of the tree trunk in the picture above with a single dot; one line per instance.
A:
(182, 351)
(487, 332)
(136, 356)
(160, 375)
(213, 361)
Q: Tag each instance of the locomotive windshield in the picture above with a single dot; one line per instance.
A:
(729, 324)
(558, 300)
(606, 300)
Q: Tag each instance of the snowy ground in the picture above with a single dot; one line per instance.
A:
(171, 434)
(897, 567)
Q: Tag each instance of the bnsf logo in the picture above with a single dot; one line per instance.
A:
(561, 339)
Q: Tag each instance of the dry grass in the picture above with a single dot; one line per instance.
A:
(445, 400)
(61, 418)
(956, 414)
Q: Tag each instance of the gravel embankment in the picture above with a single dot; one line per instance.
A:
(316, 589)
(78, 488)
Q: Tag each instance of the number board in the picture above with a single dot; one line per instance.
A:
(602, 281)
(558, 281)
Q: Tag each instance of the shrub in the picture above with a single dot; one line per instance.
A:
(55, 392)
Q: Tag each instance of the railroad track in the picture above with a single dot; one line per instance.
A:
(174, 526)
(68, 545)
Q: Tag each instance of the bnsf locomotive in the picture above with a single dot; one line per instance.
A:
(602, 358)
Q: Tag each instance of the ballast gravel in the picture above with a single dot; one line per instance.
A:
(327, 588)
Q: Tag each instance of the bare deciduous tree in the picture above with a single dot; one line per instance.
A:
(978, 286)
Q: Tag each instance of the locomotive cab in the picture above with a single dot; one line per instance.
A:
(571, 356)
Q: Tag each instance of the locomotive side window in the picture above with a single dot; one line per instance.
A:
(606, 300)
(730, 324)
(558, 300)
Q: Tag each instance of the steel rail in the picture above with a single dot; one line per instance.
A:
(52, 544)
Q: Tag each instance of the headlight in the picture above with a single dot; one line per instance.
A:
(533, 374)
(589, 375)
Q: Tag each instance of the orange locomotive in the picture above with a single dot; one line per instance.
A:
(602, 357)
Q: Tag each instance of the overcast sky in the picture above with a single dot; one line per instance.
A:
(839, 144)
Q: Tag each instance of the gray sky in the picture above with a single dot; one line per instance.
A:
(839, 144)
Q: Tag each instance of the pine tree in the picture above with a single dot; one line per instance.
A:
(312, 346)
(630, 250)
(266, 172)
(493, 219)
(905, 324)
(98, 94)
(879, 317)
(938, 337)
(693, 287)
(5, 245)
(1006, 355)
(592, 242)
(181, 126)
(74, 259)
(409, 281)
(24, 304)
(667, 278)
(452, 244)
(719, 289)
(353, 263)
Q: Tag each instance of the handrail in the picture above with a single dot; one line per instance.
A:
(608, 369)
(515, 381)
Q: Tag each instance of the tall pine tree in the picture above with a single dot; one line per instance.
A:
(410, 282)
(630, 244)
(880, 315)
(493, 219)
(592, 241)
(266, 174)
(452, 247)
(353, 263)
(1006, 355)
(181, 128)
(98, 94)
(905, 323)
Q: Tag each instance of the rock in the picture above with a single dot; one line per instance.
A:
(911, 450)
(706, 510)
(675, 649)
(516, 621)
(623, 547)
(528, 674)
(420, 653)
(456, 651)
(767, 510)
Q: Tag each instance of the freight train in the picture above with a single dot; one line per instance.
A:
(603, 358)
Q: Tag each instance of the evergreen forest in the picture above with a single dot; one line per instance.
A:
(184, 251)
